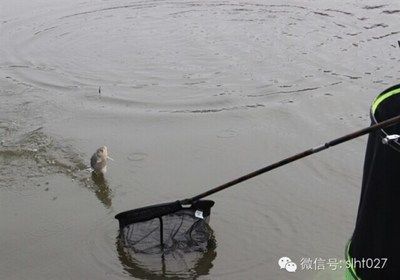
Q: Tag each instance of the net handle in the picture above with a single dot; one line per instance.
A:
(290, 159)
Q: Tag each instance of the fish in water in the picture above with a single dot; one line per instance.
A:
(98, 161)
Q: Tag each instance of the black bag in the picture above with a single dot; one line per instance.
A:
(377, 232)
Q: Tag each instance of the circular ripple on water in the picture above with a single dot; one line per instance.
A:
(138, 52)
(181, 57)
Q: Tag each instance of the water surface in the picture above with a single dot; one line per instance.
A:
(186, 95)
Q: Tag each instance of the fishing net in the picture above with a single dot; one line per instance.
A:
(167, 240)
(166, 227)
(377, 230)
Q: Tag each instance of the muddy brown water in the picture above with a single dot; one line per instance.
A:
(192, 94)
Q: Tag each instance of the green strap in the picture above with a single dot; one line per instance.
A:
(350, 271)
(382, 97)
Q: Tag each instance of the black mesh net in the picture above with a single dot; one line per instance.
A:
(167, 239)
(184, 230)
(167, 226)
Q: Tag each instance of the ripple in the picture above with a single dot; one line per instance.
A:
(227, 133)
(390, 12)
(339, 11)
(322, 14)
(137, 156)
(35, 155)
(205, 111)
(121, 47)
(285, 92)
(383, 25)
(372, 7)
(385, 35)
(137, 6)
(160, 57)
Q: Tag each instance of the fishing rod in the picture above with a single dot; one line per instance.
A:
(290, 159)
